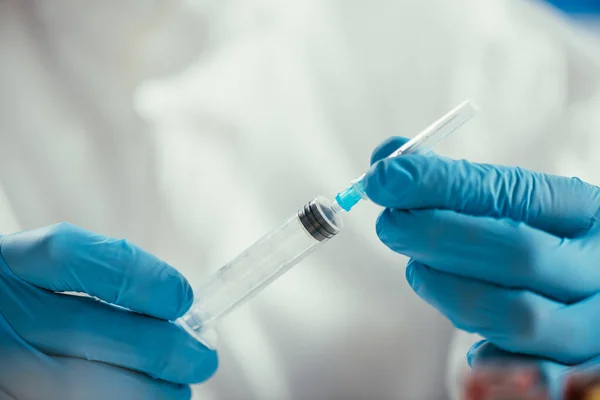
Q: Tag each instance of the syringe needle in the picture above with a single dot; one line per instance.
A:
(421, 143)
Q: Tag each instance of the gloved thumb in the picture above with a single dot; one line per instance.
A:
(562, 206)
(387, 147)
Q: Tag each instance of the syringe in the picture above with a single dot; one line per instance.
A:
(316, 222)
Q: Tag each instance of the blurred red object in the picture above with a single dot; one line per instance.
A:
(505, 383)
(583, 386)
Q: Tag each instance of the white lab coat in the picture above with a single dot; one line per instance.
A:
(192, 128)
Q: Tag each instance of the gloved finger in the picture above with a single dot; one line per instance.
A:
(75, 379)
(500, 251)
(553, 375)
(518, 321)
(64, 258)
(559, 205)
(83, 327)
(81, 378)
(387, 147)
(28, 374)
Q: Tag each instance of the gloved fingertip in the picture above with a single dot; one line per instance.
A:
(181, 392)
(395, 229)
(391, 182)
(470, 357)
(411, 275)
(202, 370)
(382, 224)
(384, 187)
(187, 297)
(374, 184)
(175, 295)
(473, 351)
(387, 147)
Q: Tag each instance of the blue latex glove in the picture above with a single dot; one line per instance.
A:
(59, 346)
(577, 7)
(510, 254)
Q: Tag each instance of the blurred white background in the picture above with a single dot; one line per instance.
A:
(193, 127)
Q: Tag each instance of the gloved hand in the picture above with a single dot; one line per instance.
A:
(61, 346)
(510, 254)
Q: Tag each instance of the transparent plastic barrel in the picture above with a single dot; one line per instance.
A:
(260, 264)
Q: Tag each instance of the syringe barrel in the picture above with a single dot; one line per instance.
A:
(260, 264)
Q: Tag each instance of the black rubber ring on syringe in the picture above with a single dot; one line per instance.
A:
(314, 223)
